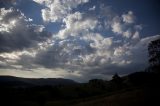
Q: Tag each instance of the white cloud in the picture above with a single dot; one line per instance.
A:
(119, 51)
(56, 10)
(136, 35)
(127, 34)
(98, 41)
(6, 26)
(76, 24)
(118, 25)
(41, 1)
(92, 8)
(129, 17)
(117, 28)
(30, 20)
(102, 50)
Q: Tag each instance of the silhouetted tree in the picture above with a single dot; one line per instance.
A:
(116, 82)
(154, 55)
(116, 78)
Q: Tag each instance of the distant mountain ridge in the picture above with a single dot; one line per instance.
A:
(18, 81)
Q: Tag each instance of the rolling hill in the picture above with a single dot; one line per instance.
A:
(17, 81)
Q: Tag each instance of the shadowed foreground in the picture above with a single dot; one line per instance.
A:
(137, 89)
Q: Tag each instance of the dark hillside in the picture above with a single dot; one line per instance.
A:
(16, 81)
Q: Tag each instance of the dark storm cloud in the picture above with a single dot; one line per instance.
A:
(17, 33)
(4, 64)
(63, 54)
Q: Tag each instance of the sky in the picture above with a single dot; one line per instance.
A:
(76, 39)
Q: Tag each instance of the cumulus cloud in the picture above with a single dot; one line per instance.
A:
(92, 8)
(117, 28)
(120, 24)
(16, 32)
(86, 45)
(129, 17)
(56, 10)
(123, 27)
(76, 24)
(127, 34)
(101, 47)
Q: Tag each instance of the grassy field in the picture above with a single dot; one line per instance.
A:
(134, 98)
(129, 98)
